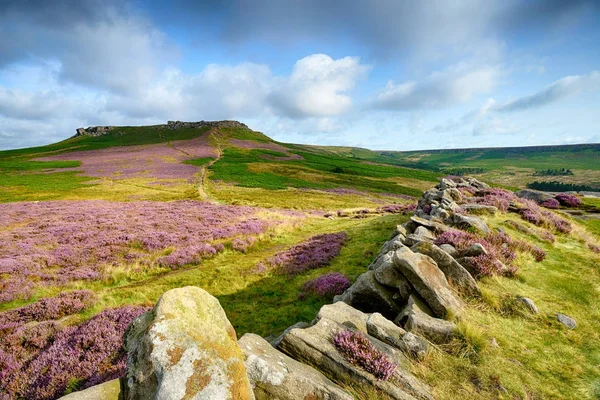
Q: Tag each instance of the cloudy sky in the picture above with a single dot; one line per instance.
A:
(381, 74)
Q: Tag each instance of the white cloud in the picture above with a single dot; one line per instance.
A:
(318, 86)
(558, 90)
(450, 87)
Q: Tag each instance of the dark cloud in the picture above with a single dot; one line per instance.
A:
(384, 27)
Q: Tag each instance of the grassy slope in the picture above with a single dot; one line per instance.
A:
(537, 357)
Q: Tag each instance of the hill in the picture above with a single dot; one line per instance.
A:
(94, 229)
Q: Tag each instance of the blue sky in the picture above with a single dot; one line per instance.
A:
(397, 75)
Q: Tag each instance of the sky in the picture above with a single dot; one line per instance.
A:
(380, 74)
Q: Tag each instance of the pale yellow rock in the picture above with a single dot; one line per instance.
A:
(185, 348)
(105, 391)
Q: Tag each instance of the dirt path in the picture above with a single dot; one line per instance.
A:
(216, 136)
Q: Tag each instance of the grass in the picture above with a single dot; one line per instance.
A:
(537, 357)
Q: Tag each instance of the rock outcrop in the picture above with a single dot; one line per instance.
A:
(182, 349)
(204, 124)
(275, 376)
(93, 131)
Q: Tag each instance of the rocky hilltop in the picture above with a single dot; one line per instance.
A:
(95, 131)
(408, 301)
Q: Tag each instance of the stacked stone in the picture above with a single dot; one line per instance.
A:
(203, 124)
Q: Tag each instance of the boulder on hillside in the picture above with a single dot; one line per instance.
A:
(387, 274)
(314, 346)
(529, 304)
(424, 232)
(275, 376)
(535, 195)
(436, 330)
(470, 222)
(385, 330)
(448, 248)
(368, 295)
(455, 273)
(475, 250)
(343, 314)
(184, 348)
(434, 226)
(566, 321)
(104, 391)
(428, 281)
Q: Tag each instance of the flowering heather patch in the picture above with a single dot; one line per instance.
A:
(568, 200)
(162, 161)
(92, 351)
(500, 246)
(327, 285)
(66, 303)
(427, 209)
(550, 203)
(316, 252)
(530, 211)
(498, 198)
(594, 247)
(468, 191)
(58, 242)
(358, 350)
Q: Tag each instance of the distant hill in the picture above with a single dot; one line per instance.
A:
(164, 162)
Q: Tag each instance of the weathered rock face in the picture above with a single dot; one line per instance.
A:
(369, 295)
(203, 124)
(470, 221)
(275, 376)
(436, 330)
(387, 274)
(104, 391)
(388, 332)
(185, 348)
(343, 314)
(455, 273)
(93, 131)
(314, 346)
(428, 280)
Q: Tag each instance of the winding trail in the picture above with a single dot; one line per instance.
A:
(217, 138)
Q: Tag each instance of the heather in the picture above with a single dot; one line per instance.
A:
(327, 285)
(316, 252)
(91, 352)
(568, 200)
(529, 210)
(358, 350)
(159, 161)
(53, 243)
(66, 303)
(500, 247)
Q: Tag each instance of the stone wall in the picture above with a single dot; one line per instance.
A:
(95, 131)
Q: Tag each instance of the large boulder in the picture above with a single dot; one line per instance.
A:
(343, 314)
(534, 195)
(455, 273)
(385, 330)
(470, 222)
(368, 295)
(275, 376)
(104, 391)
(387, 274)
(314, 346)
(436, 330)
(437, 227)
(428, 281)
(184, 348)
